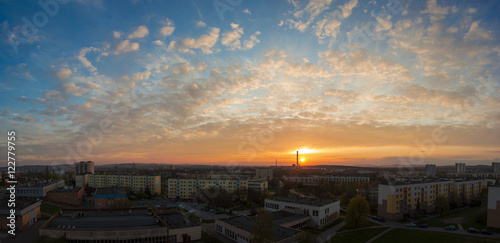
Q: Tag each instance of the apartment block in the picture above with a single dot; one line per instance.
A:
(400, 200)
(192, 188)
(315, 179)
(322, 211)
(493, 213)
(136, 183)
(460, 168)
(496, 167)
(84, 167)
(430, 170)
(266, 173)
(258, 184)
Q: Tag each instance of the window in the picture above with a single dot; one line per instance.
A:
(172, 239)
(315, 212)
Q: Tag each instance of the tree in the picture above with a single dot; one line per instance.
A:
(357, 210)
(263, 227)
(442, 204)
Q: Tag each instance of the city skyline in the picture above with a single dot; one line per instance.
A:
(344, 82)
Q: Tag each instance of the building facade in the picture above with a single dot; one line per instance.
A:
(322, 211)
(460, 168)
(430, 170)
(38, 190)
(71, 196)
(27, 213)
(266, 173)
(401, 200)
(258, 184)
(315, 179)
(136, 183)
(110, 197)
(192, 188)
(493, 213)
(496, 167)
(84, 167)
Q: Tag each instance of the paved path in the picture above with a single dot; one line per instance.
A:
(374, 238)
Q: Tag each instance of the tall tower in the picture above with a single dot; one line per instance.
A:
(297, 158)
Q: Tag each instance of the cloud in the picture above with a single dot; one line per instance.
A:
(347, 8)
(63, 74)
(86, 63)
(26, 118)
(140, 32)
(246, 11)
(91, 85)
(117, 34)
(204, 42)
(231, 39)
(168, 28)
(476, 33)
(159, 43)
(435, 11)
(126, 46)
(72, 89)
(201, 24)
(305, 17)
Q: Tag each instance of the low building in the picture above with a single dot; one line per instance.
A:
(493, 213)
(27, 213)
(37, 190)
(181, 228)
(71, 196)
(258, 184)
(130, 225)
(322, 211)
(110, 197)
(239, 229)
(370, 193)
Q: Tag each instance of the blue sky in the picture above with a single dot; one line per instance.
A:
(357, 82)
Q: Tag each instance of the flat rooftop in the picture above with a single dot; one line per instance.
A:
(105, 220)
(177, 220)
(304, 200)
(247, 223)
(38, 184)
(67, 189)
(281, 217)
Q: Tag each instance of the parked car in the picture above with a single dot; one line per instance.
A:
(422, 225)
(411, 225)
(450, 227)
(212, 210)
(217, 212)
(472, 230)
(486, 232)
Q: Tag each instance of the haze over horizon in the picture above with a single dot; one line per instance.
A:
(352, 82)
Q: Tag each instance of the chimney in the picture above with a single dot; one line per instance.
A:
(297, 158)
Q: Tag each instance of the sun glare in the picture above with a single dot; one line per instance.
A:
(302, 160)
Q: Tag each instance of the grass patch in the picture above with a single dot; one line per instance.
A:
(207, 238)
(362, 235)
(367, 223)
(194, 218)
(474, 217)
(46, 208)
(418, 236)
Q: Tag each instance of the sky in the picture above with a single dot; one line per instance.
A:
(236, 82)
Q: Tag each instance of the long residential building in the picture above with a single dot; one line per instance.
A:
(136, 183)
(315, 179)
(401, 200)
(322, 211)
(192, 188)
(38, 190)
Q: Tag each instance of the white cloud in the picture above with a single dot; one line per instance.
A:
(117, 34)
(71, 88)
(246, 11)
(204, 42)
(231, 39)
(347, 8)
(476, 33)
(91, 85)
(436, 12)
(63, 73)
(201, 24)
(140, 32)
(86, 63)
(159, 43)
(202, 66)
(472, 10)
(303, 18)
(168, 28)
(126, 46)
(249, 44)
